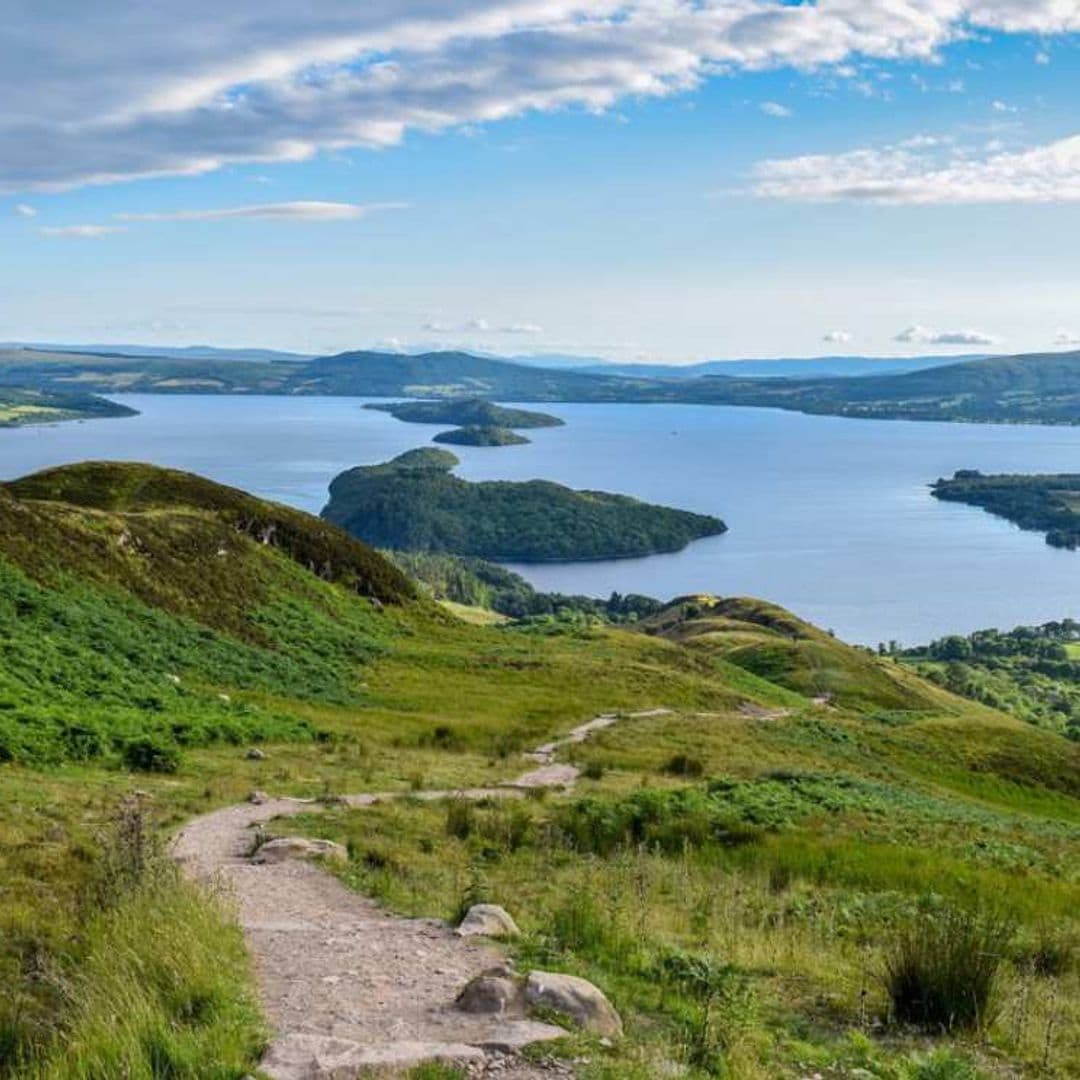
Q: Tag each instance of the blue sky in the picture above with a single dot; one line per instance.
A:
(653, 180)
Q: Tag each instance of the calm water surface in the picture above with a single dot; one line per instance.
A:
(830, 517)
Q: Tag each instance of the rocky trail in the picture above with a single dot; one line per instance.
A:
(347, 986)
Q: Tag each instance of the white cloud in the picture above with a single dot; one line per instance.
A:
(774, 108)
(916, 175)
(119, 89)
(521, 328)
(24, 210)
(921, 335)
(1042, 58)
(1065, 339)
(836, 337)
(481, 326)
(287, 211)
(86, 232)
(1003, 107)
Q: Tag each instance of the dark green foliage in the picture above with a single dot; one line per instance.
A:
(480, 436)
(1032, 672)
(684, 765)
(1048, 504)
(942, 969)
(477, 583)
(466, 413)
(149, 753)
(414, 503)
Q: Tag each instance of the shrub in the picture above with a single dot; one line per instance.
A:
(460, 818)
(684, 765)
(148, 753)
(943, 966)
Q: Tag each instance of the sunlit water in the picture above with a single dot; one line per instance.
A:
(830, 517)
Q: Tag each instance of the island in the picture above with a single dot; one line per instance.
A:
(465, 412)
(20, 407)
(1048, 504)
(415, 503)
(477, 435)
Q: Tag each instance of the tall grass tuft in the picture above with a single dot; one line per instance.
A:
(158, 985)
(943, 967)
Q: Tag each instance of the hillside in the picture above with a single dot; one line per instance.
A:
(415, 503)
(1043, 388)
(742, 858)
(1046, 504)
(466, 412)
(20, 407)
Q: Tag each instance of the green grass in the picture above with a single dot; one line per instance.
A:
(739, 909)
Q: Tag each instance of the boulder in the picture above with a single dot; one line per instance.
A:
(487, 920)
(257, 798)
(574, 998)
(495, 992)
(299, 847)
(255, 754)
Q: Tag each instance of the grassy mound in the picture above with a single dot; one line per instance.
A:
(773, 644)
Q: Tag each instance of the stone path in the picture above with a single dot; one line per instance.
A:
(347, 986)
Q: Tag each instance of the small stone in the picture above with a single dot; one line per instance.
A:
(299, 847)
(257, 798)
(491, 994)
(255, 754)
(487, 920)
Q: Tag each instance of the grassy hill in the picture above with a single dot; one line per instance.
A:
(480, 436)
(738, 872)
(414, 503)
(19, 407)
(1042, 388)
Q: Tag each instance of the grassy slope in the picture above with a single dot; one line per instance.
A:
(850, 813)
(20, 407)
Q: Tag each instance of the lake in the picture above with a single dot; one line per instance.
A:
(830, 517)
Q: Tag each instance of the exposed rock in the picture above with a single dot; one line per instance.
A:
(488, 920)
(257, 798)
(495, 992)
(575, 998)
(325, 1057)
(299, 847)
(255, 754)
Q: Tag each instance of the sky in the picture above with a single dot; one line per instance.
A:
(641, 180)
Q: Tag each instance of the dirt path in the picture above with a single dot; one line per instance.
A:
(346, 985)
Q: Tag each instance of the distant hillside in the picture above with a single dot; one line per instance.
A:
(177, 352)
(793, 368)
(466, 412)
(21, 407)
(1046, 504)
(1043, 388)
(414, 503)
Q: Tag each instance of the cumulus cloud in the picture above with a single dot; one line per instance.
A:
(521, 328)
(836, 337)
(774, 108)
(24, 210)
(84, 232)
(480, 326)
(921, 335)
(120, 89)
(925, 175)
(286, 211)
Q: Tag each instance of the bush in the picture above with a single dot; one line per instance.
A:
(942, 968)
(147, 753)
(684, 765)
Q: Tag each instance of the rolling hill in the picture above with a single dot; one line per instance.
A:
(768, 819)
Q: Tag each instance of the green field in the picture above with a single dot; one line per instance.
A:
(737, 873)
